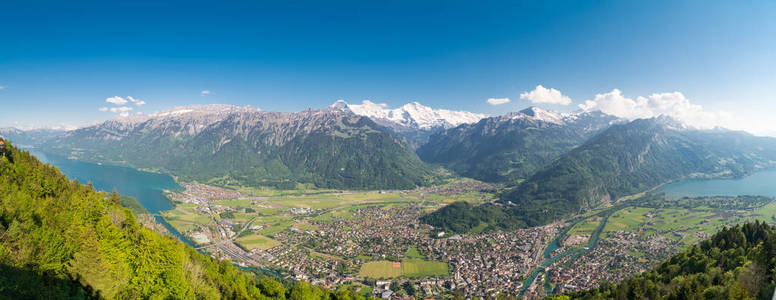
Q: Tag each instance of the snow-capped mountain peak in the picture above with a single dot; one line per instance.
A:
(541, 114)
(411, 115)
(341, 104)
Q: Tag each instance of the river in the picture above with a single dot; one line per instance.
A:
(147, 188)
(555, 244)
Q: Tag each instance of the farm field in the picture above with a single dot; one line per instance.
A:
(586, 227)
(766, 213)
(681, 225)
(255, 241)
(184, 218)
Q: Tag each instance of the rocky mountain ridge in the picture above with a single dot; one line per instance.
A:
(245, 146)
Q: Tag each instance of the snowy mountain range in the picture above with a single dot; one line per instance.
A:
(411, 115)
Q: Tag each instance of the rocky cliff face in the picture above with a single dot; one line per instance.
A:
(226, 144)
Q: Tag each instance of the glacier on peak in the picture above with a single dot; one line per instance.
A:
(411, 115)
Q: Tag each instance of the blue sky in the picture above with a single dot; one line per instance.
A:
(60, 61)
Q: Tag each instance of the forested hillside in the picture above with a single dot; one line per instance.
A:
(735, 263)
(61, 239)
(513, 146)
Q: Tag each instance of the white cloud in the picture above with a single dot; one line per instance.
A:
(120, 109)
(674, 104)
(137, 102)
(614, 103)
(116, 100)
(206, 92)
(544, 95)
(498, 101)
(2, 87)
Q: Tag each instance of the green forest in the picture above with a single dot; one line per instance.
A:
(498, 150)
(62, 239)
(462, 217)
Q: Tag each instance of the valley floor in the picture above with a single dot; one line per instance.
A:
(368, 240)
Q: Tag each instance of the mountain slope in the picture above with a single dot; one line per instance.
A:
(735, 263)
(513, 146)
(413, 121)
(60, 239)
(224, 144)
(63, 240)
(34, 137)
(631, 158)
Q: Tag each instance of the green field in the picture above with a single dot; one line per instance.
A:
(255, 241)
(274, 227)
(413, 253)
(234, 203)
(380, 269)
(330, 200)
(766, 213)
(408, 268)
(585, 227)
(183, 217)
(339, 214)
(627, 219)
(677, 223)
(415, 268)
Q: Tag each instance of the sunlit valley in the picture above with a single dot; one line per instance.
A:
(242, 170)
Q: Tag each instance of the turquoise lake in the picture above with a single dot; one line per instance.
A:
(147, 188)
(761, 183)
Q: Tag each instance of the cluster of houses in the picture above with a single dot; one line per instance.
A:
(483, 264)
(200, 194)
(492, 263)
(370, 231)
(616, 257)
